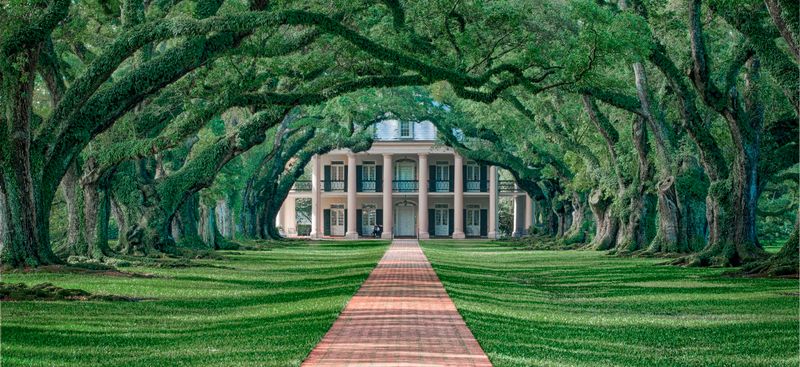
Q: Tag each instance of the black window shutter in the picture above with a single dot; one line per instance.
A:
(345, 221)
(345, 179)
(326, 220)
(484, 182)
(464, 219)
(431, 222)
(452, 179)
(379, 178)
(327, 182)
(379, 216)
(359, 221)
(484, 220)
(464, 179)
(358, 178)
(432, 179)
(450, 219)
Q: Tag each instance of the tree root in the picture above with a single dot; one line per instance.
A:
(50, 292)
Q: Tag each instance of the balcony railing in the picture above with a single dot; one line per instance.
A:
(474, 186)
(334, 185)
(302, 185)
(508, 186)
(405, 185)
(369, 185)
(440, 186)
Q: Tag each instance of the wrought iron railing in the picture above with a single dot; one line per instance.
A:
(302, 185)
(369, 185)
(440, 186)
(473, 186)
(508, 186)
(335, 185)
(405, 185)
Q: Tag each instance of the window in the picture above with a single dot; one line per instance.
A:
(337, 176)
(337, 171)
(473, 171)
(442, 176)
(406, 129)
(368, 171)
(368, 176)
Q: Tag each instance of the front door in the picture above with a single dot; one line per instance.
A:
(404, 220)
(441, 220)
(473, 221)
(337, 221)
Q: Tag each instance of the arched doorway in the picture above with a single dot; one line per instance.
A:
(405, 219)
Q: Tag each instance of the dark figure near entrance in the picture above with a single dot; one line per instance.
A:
(377, 231)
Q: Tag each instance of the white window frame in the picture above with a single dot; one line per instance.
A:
(442, 176)
(368, 172)
(408, 126)
(472, 221)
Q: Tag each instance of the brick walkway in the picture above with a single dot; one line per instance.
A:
(401, 316)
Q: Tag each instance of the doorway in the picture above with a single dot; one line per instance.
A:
(441, 220)
(337, 220)
(405, 219)
(473, 221)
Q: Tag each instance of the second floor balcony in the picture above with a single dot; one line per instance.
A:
(405, 185)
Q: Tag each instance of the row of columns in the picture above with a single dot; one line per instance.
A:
(388, 212)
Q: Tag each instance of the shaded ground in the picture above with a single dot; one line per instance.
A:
(266, 308)
(583, 308)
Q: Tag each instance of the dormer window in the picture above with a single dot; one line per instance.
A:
(406, 130)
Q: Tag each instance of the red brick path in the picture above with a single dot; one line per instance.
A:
(401, 316)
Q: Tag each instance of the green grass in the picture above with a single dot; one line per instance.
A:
(270, 309)
(583, 308)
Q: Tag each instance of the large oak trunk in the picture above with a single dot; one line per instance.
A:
(26, 211)
(671, 236)
(784, 263)
(577, 229)
(607, 225)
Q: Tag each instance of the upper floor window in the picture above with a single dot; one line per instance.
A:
(406, 129)
(473, 171)
(337, 171)
(368, 171)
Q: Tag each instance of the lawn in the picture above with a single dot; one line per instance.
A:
(254, 308)
(584, 308)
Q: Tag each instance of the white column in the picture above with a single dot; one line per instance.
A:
(316, 198)
(290, 216)
(422, 214)
(352, 232)
(528, 213)
(518, 219)
(387, 196)
(279, 222)
(492, 202)
(458, 198)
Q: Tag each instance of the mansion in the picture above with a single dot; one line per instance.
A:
(409, 185)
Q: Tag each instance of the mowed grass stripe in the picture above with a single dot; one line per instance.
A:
(269, 309)
(583, 308)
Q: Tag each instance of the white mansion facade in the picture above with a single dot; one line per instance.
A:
(408, 184)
